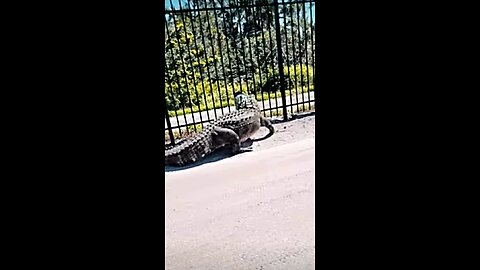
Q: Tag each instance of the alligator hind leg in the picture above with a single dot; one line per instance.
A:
(226, 136)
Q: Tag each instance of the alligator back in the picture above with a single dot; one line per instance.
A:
(191, 149)
(243, 122)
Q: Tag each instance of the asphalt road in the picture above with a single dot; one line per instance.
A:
(211, 113)
(251, 211)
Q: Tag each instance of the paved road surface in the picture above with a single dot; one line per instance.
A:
(211, 113)
(250, 211)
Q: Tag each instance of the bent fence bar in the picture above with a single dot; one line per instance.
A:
(214, 49)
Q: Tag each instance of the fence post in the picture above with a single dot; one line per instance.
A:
(280, 60)
(169, 125)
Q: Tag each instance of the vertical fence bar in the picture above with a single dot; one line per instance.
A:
(169, 126)
(213, 51)
(300, 55)
(252, 69)
(294, 61)
(306, 52)
(260, 86)
(313, 46)
(244, 58)
(286, 49)
(271, 49)
(235, 50)
(228, 56)
(280, 61)
(266, 67)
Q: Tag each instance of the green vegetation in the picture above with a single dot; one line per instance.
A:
(222, 99)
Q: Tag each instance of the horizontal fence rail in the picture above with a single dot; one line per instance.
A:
(214, 49)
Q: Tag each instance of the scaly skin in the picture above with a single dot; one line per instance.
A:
(230, 129)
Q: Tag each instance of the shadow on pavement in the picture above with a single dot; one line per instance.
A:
(215, 156)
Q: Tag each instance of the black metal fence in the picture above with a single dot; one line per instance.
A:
(214, 48)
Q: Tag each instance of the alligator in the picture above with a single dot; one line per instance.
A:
(229, 130)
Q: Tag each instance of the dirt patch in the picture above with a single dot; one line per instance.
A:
(286, 132)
